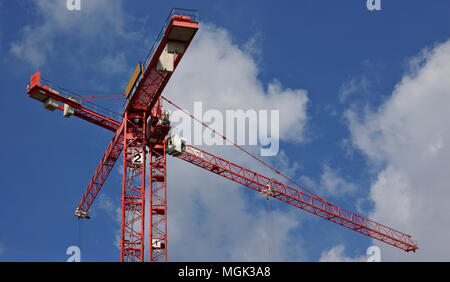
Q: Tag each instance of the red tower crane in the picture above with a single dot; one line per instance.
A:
(141, 134)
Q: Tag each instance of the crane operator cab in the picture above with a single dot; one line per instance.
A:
(176, 145)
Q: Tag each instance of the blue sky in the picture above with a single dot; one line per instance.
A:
(353, 65)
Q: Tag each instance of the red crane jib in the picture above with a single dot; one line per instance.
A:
(275, 189)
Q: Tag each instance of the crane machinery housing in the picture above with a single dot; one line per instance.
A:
(141, 139)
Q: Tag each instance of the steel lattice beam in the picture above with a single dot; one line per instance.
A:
(101, 173)
(133, 188)
(298, 198)
(158, 204)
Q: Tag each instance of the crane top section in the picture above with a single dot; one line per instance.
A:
(150, 78)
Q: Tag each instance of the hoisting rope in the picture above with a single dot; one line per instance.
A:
(74, 94)
(101, 97)
(270, 231)
(80, 235)
(242, 149)
(83, 91)
(104, 95)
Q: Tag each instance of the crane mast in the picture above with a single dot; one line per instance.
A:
(140, 137)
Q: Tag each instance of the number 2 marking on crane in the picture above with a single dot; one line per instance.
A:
(137, 159)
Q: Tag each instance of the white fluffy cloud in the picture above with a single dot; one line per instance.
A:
(410, 136)
(104, 204)
(72, 35)
(223, 76)
(337, 254)
(331, 184)
(353, 86)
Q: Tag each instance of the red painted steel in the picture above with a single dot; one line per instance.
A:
(298, 198)
(101, 173)
(158, 203)
(133, 188)
(35, 89)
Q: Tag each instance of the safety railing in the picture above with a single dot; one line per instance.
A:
(86, 104)
(192, 14)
